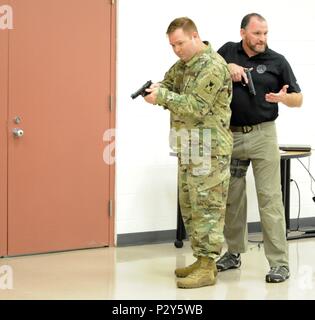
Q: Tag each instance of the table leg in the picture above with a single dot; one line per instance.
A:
(180, 231)
(285, 184)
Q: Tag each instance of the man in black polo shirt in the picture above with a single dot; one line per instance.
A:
(255, 141)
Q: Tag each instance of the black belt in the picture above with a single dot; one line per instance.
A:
(253, 127)
(244, 129)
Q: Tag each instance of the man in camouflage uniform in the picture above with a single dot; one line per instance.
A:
(197, 90)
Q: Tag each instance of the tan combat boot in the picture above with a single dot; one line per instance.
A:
(184, 272)
(204, 275)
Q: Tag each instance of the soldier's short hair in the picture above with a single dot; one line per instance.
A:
(182, 23)
(246, 19)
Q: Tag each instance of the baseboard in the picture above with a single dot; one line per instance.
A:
(164, 236)
(254, 227)
(140, 238)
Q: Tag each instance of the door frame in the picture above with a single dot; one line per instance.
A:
(4, 134)
(4, 62)
(112, 122)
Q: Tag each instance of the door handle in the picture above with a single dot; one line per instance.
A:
(18, 133)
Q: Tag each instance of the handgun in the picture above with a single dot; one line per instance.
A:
(250, 83)
(142, 91)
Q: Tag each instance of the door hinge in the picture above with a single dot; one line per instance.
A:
(110, 208)
(111, 103)
(113, 2)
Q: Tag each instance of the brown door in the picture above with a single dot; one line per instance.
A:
(59, 84)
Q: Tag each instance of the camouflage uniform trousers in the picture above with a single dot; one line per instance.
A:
(202, 199)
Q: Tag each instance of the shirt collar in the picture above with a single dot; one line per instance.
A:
(196, 57)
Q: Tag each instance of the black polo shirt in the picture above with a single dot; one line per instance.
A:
(271, 71)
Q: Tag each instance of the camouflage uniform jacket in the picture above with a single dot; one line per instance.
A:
(198, 94)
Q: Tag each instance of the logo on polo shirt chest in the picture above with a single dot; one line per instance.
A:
(261, 68)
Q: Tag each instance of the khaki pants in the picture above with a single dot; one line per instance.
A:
(260, 147)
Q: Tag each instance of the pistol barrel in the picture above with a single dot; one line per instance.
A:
(142, 91)
(250, 84)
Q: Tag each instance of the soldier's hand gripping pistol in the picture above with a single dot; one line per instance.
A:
(250, 83)
(142, 91)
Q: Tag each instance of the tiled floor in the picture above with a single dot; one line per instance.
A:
(147, 272)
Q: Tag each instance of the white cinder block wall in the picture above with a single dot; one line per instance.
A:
(145, 173)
